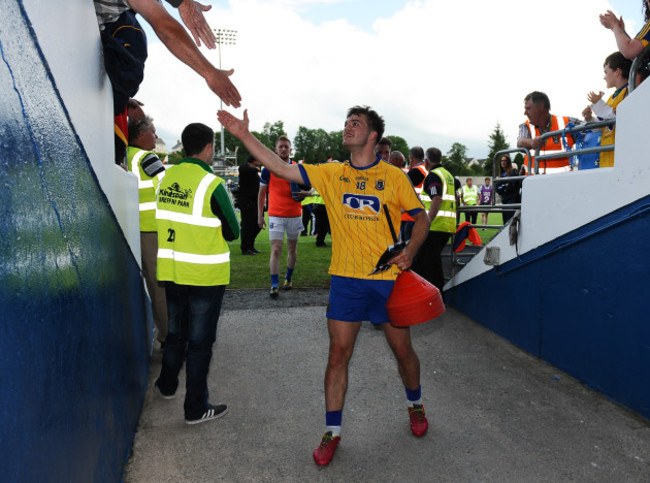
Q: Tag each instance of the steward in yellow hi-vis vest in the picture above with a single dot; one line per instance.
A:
(144, 165)
(440, 188)
(445, 219)
(194, 217)
(191, 246)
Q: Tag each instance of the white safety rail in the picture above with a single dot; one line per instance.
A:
(553, 205)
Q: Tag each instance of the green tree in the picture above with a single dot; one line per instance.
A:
(497, 143)
(337, 151)
(271, 133)
(400, 144)
(317, 145)
(231, 144)
(174, 158)
(456, 161)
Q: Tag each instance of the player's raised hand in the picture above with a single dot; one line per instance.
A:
(236, 127)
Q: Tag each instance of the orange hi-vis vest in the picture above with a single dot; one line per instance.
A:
(418, 190)
(281, 203)
(553, 144)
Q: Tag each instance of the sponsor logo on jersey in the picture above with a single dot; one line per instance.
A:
(361, 207)
(344, 179)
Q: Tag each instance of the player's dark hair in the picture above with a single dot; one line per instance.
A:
(375, 121)
(538, 98)
(195, 137)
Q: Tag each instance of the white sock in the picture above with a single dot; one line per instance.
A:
(412, 403)
(336, 430)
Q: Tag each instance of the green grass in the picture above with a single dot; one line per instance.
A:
(247, 272)
(489, 233)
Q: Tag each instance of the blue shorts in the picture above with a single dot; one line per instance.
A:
(355, 299)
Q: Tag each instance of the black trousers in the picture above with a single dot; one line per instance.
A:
(428, 262)
(471, 216)
(307, 216)
(322, 223)
(249, 226)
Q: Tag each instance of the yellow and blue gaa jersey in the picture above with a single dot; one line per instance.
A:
(644, 34)
(354, 198)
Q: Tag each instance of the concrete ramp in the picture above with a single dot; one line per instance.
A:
(495, 412)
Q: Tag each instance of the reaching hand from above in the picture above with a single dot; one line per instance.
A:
(219, 82)
(191, 13)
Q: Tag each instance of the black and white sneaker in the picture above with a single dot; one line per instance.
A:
(213, 412)
(157, 390)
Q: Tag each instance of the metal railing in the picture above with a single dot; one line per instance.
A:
(642, 61)
(542, 158)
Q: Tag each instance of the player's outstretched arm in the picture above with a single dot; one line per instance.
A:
(239, 129)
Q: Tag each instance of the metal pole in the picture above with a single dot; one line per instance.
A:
(226, 37)
(222, 151)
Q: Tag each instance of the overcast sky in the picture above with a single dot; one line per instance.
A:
(437, 71)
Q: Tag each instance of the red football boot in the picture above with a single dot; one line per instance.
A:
(419, 423)
(325, 451)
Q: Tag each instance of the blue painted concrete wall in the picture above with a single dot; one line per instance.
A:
(73, 336)
(579, 302)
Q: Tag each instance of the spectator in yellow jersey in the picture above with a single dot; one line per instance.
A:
(357, 193)
(629, 47)
(617, 70)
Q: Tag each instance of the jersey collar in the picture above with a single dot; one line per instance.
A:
(361, 168)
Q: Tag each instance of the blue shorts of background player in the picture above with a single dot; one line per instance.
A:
(355, 299)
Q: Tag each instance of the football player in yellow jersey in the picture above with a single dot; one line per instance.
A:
(355, 194)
